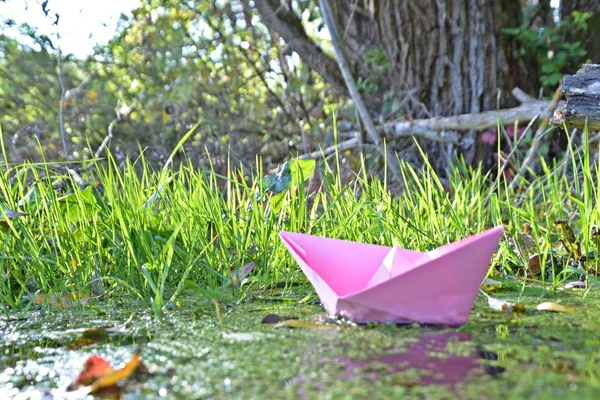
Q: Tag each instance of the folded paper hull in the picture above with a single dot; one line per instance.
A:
(437, 287)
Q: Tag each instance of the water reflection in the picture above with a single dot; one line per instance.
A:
(440, 358)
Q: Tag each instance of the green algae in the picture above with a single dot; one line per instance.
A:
(195, 352)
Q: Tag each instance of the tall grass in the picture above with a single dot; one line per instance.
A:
(152, 235)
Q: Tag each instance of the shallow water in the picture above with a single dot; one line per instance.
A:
(190, 353)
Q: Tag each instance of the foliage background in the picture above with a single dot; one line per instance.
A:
(172, 64)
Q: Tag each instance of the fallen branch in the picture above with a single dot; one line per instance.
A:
(444, 129)
(448, 129)
(345, 145)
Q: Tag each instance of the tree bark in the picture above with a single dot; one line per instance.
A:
(583, 99)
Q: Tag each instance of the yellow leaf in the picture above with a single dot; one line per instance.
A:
(165, 117)
(554, 307)
(489, 285)
(294, 323)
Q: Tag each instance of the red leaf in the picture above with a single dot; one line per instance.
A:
(94, 368)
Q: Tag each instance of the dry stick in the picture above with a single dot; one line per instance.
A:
(537, 140)
(77, 178)
(345, 145)
(107, 138)
(353, 89)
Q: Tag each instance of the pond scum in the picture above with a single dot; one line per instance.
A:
(165, 243)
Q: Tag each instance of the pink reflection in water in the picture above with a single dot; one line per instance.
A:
(429, 355)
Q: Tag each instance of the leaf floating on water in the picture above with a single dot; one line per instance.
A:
(89, 337)
(503, 305)
(554, 308)
(94, 368)
(294, 323)
(98, 376)
(112, 378)
(274, 318)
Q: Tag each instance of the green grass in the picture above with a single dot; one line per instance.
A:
(151, 235)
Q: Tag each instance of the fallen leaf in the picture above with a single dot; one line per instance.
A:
(274, 318)
(94, 368)
(573, 285)
(526, 247)
(503, 305)
(89, 337)
(533, 265)
(9, 214)
(61, 301)
(112, 378)
(12, 214)
(554, 307)
(294, 323)
(568, 239)
(241, 274)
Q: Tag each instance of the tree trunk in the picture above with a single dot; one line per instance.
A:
(449, 52)
(440, 57)
(450, 55)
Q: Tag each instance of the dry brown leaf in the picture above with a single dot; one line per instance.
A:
(61, 301)
(274, 318)
(554, 308)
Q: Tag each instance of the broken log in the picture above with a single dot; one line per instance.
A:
(583, 99)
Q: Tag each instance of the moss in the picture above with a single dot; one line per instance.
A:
(190, 353)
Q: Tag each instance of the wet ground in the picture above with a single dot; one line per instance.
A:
(201, 351)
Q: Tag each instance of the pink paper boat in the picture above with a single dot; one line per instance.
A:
(367, 282)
